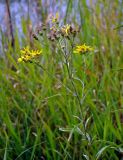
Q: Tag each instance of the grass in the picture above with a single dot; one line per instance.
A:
(40, 118)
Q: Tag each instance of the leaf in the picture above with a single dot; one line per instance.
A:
(101, 151)
(86, 157)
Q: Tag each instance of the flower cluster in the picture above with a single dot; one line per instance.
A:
(65, 30)
(68, 30)
(53, 31)
(81, 49)
(53, 35)
(28, 55)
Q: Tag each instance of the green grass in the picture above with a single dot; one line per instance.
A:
(41, 118)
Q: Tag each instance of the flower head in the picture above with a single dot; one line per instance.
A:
(27, 54)
(65, 30)
(55, 18)
(81, 49)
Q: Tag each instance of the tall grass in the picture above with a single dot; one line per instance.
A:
(40, 119)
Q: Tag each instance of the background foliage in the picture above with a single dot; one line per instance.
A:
(40, 119)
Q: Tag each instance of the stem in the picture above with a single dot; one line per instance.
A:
(72, 45)
(73, 85)
(78, 98)
(70, 77)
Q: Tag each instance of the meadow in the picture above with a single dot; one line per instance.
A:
(64, 105)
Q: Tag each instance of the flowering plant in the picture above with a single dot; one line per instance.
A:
(62, 42)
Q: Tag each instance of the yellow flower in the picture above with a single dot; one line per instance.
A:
(34, 53)
(27, 54)
(55, 18)
(81, 49)
(20, 60)
(66, 30)
(25, 50)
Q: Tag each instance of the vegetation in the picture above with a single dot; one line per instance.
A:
(63, 97)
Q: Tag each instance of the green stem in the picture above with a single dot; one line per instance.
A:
(73, 85)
